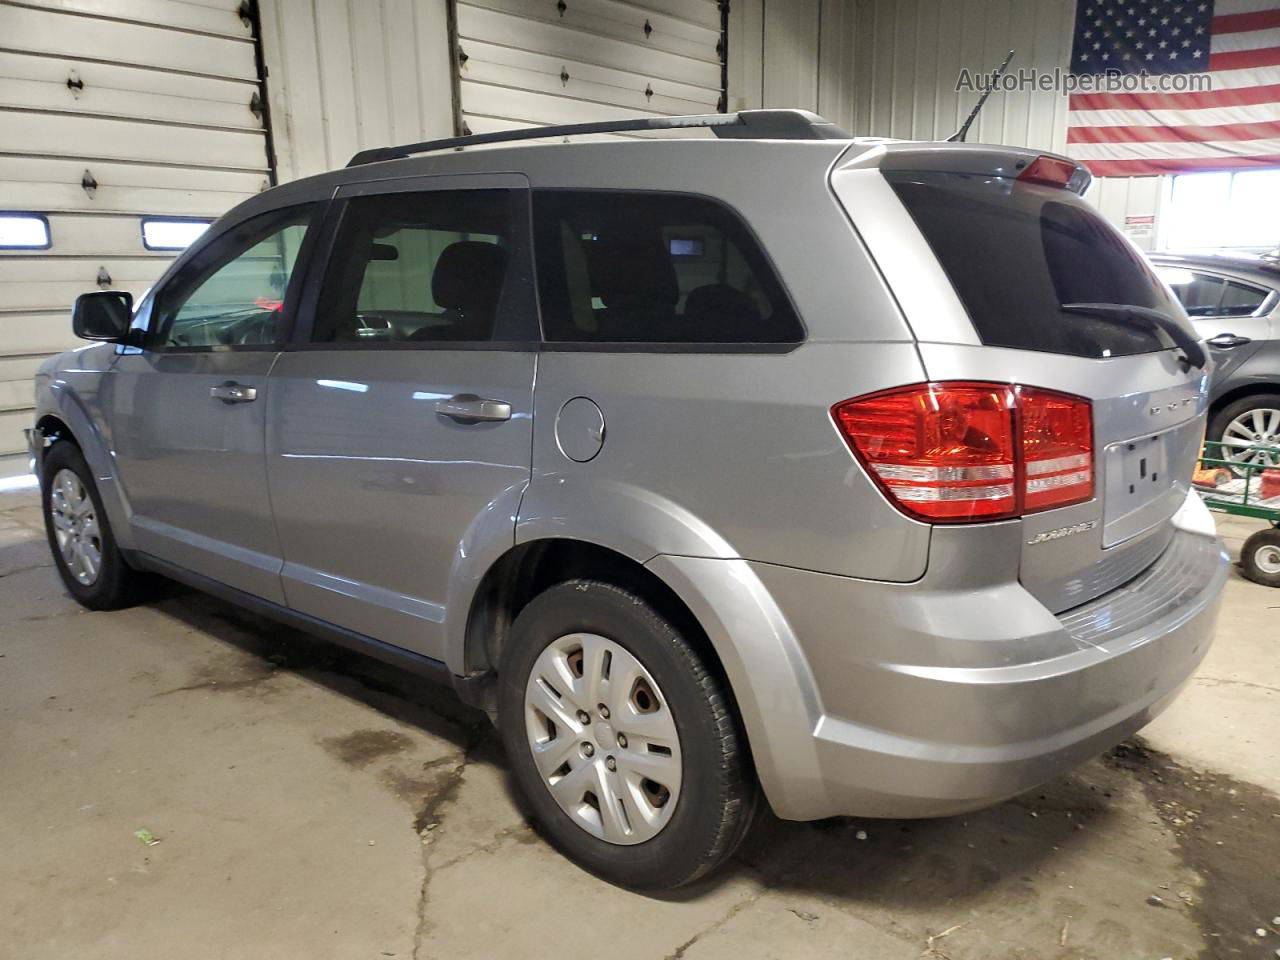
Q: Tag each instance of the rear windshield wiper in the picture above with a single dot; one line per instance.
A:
(1144, 318)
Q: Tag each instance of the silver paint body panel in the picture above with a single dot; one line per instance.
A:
(881, 666)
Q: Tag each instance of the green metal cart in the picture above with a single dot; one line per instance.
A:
(1241, 492)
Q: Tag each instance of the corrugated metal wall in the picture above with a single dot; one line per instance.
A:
(343, 75)
(889, 68)
(532, 62)
(111, 111)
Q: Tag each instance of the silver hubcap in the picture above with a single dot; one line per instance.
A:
(603, 738)
(1267, 559)
(75, 527)
(1253, 428)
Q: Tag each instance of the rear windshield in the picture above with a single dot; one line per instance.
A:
(1017, 252)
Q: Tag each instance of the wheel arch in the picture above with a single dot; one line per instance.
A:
(719, 605)
(61, 412)
(527, 569)
(1253, 388)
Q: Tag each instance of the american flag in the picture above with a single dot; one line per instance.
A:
(1232, 122)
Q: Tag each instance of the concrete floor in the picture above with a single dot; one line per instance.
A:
(311, 803)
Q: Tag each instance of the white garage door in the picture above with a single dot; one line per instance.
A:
(524, 62)
(111, 111)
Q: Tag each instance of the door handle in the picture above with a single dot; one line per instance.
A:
(1228, 340)
(231, 392)
(469, 408)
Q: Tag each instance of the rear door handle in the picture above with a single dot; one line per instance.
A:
(469, 408)
(1228, 340)
(231, 392)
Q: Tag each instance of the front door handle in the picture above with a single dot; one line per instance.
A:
(232, 392)
(1228, 340)
(469, 408)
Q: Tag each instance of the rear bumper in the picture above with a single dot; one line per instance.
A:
(936, 700)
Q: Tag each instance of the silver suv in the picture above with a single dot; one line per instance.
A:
(852, 474)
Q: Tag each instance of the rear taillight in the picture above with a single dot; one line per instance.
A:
(954, 452)
(1057, 448)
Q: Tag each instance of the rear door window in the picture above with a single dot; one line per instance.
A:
(632, 267)
(1016, 252)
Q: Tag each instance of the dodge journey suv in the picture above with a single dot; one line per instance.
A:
(853, 475)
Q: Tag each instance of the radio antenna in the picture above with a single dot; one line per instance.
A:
(959, 135)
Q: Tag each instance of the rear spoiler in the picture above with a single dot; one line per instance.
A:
(1034, 166)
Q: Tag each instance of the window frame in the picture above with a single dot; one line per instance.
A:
(32, 215)
(203, 246)
(523, 296)
(1265, 307)
(663, 346)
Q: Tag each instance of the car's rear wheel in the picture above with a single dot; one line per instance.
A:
(1260, 557)
(80, 538)
(622, 739)
(1245, 424)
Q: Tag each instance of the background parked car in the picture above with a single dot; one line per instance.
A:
(1234, 303)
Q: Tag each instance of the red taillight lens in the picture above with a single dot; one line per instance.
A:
(1057, 448)
(943, 451)
(951, 452)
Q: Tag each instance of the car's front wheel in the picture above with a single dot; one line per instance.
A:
(80, 538)
(622, 739)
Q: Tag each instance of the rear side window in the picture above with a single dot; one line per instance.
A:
(633, 267)
(420, 267)
(1016, 252)
(1240, 300)
(1200, 293)
(1206, 295)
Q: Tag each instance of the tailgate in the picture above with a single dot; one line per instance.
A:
(985, 295)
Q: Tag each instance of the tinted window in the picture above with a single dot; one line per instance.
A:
(654, 268)
(1200, 293)
(1241, 300)
(1017, 252)
(420, 267)
(1204, 295)
(232, 291)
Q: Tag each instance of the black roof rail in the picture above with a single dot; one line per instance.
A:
(743, 125)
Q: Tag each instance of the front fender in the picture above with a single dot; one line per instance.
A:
(59, 398)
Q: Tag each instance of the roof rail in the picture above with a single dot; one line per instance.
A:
(744, 125)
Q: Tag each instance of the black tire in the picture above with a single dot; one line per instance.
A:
(1260, 558)
(1221, 418)
(117, 584)
(717, 794)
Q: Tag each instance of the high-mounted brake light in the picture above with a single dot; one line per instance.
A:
(959, 451)
(1050, 171)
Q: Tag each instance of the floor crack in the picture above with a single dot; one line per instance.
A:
(1225, 681)
(34, 566)
(429, 817)
(736, 909)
